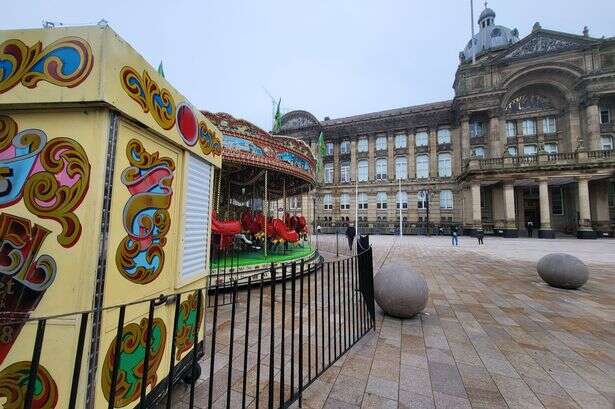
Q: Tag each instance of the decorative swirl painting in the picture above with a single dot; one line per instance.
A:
(187, 320)
(14, 384)
(51, 176)
(66, 62)
(148, 94)
(209, 142)
(146, 219)
(132, 359)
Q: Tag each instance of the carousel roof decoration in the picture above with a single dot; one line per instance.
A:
(245, 145)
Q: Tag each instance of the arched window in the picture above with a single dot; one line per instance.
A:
(329, 173)
(363, 171)
(381, 143)
(401, 167)
(400, 141)
(421, 138)
(381, 200)
(446, 199)
(444, 136)
(362, 145)
(402, 199)
(422, 166)
(381, 169)
(445, 165)
(344, 201)
(421, 199)
(327, 201)
(362, 200)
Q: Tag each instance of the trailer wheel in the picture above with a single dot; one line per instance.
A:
(191, 376)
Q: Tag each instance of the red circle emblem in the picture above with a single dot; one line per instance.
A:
(186, 122)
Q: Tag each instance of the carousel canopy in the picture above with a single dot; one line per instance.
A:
(248, 151)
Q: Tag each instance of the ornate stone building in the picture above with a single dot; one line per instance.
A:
(528, 137)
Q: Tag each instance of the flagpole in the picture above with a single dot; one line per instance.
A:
(472, 26)
(400, 205)
(356, 205)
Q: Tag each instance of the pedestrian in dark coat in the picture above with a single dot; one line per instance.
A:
(480, 235)
(350, 233)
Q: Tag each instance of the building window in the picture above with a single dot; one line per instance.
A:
(362, 145)
(381, 200)
(327, 201)
(381, 143)
(400, 141)
(511, 129)
(557, 201)
(605, 115)
(381, 169)
(422, 200)
(529, 127)
(344, 201)
(362, 200)
(512, 150)
(345, 147)
(363, 171)
(606, 142)
(446, 199)
(422, 166)
(548, 125)
(329, 148)
(401, 167)
(551, 148)
(477, 129)
(402, 199)
(422, 138)
(329, 173)
(345, 173)
(479, 152)
(295, 202)
(529, 150)
(444, 136)
(444, 165)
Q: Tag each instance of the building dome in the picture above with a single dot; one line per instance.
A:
(490, 37)
(487, 12)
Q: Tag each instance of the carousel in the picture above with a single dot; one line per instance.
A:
(253, 224)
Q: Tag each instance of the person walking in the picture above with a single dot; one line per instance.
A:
(455, 238)
(350, 233)
(530, 228)
(480, 234)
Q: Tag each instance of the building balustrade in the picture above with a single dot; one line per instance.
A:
(541, 159)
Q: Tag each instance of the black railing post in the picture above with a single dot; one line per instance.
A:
(293, 291)
(148, 347)
(78, 359)
(272, 337)
(172, 351)
(300, 339)
(195, 346)
(259, 341)
(117, 356)
(245, 344)
(230, 347)
(212, 360)
(282, 346)
(36, 357)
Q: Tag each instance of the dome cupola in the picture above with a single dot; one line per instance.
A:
(490, 37)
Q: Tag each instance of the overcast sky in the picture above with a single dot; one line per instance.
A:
(330, 57)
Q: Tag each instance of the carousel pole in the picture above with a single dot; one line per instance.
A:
(266, 211)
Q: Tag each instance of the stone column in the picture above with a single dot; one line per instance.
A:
(494, 143)
(411, 158)
(510, 227)
(592, 116)
(545, 231)
(599, 199)
(433, 153)
(585, 230)
(477, 223)
(575, 126)
(353, 160)
(465, 139)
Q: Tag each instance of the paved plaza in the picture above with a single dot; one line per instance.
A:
(493, 335)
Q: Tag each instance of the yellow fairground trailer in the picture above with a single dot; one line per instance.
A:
(106, 172)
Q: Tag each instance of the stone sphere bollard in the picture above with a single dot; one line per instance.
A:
(400, 291)
(562, 271)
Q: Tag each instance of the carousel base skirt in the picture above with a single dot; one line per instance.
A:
(240, 265)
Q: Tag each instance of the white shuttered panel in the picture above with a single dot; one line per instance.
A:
(196, 217)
